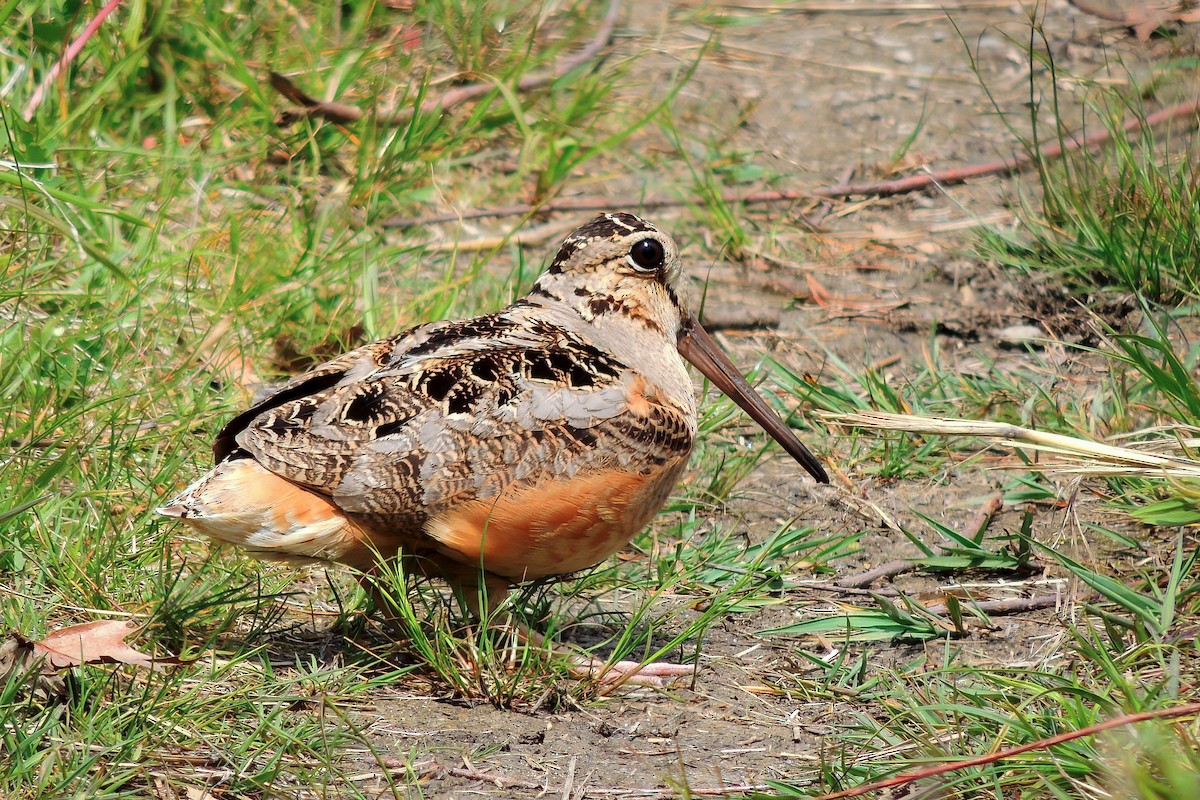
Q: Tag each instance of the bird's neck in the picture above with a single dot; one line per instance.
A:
(638, 328)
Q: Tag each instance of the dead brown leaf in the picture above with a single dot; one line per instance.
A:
(98, 642)
(16, 654)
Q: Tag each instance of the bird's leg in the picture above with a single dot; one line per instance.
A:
(494, 591)
(485, 597)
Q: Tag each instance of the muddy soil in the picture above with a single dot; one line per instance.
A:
(859, 91)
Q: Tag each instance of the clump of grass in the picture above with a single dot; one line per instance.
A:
(1130, 656)
(1126, 218)
(1122, 220)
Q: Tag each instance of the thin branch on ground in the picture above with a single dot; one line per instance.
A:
(1008, 605)
(499, 781)
(913, 183)
(907, 778)
(814, 218)
(1143, 19)
(527, 236)
(890, 569)
(343, 113)
(861, 580)
(983, 518)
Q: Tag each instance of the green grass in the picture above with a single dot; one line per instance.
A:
(1124, 219)
(165, 245)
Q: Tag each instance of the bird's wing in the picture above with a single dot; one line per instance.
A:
(406, 428)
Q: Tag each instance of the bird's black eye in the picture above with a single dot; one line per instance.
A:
(647, 255)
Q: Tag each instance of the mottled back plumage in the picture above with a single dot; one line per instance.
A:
(431, 441)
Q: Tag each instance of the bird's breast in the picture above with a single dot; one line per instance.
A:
(557, 526)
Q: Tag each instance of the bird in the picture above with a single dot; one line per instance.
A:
(529, 443)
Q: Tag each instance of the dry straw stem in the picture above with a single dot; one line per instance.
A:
(1081, 456)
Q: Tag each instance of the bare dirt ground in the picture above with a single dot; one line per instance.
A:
(820, 96)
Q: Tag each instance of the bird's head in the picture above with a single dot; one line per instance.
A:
(624, 277)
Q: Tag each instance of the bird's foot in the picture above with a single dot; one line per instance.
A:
(656, 674)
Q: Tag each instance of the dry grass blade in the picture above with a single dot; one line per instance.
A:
(1081, 455)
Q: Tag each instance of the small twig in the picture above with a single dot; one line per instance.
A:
(1011, 164)
(890, 569)
(839, 190)
(499, 781)
(990, 758)
(861, 580)
(343, 113)
(692, 791)
(39, 94)
(340, 113)
(1008, 605)
(983, 518)
(529, 236)
(825, 208)
(885, 591)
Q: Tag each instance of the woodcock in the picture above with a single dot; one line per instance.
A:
(532, 442)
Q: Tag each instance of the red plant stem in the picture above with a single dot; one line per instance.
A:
(344, 113)
(1188, 108)
(1041, 744)
(1010, 164)
(67, 57)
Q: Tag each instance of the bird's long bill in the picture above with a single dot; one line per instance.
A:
(705, 355)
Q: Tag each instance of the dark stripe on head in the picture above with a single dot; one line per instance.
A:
(569, 248)
(613, 225)
(604, 226)
(671, 294)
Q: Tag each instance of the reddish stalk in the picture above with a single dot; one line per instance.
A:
(343, 113)
(39, 94)
(912, 183)
(1041, 744)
